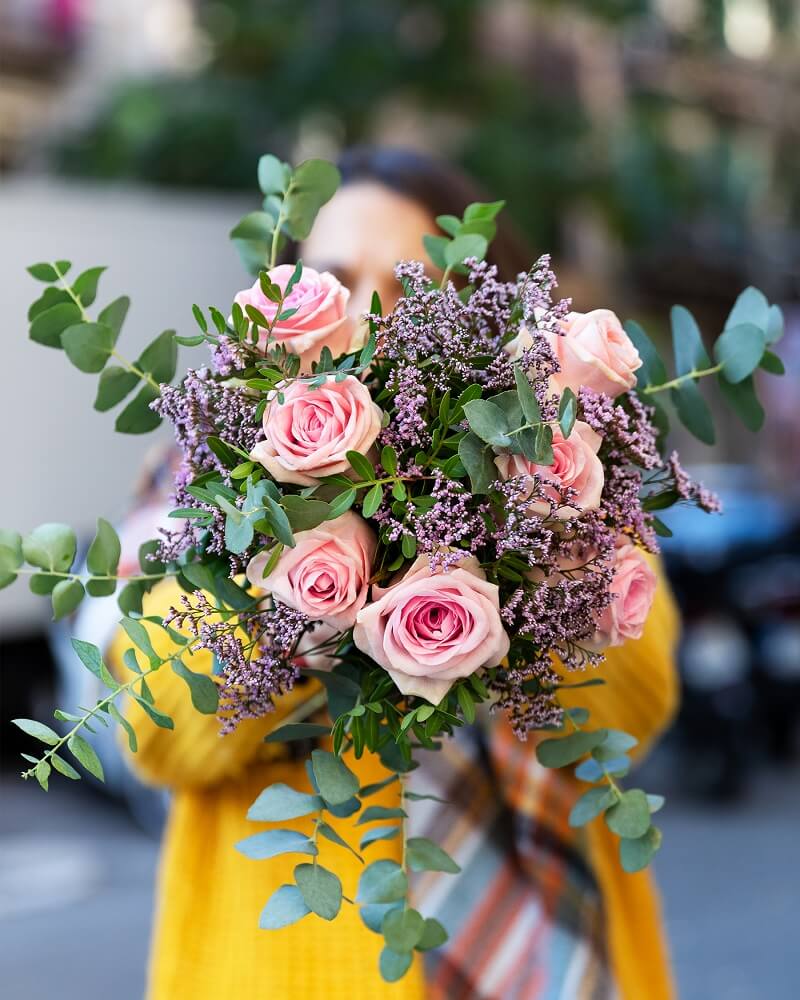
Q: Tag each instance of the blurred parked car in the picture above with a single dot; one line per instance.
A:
(737, 580)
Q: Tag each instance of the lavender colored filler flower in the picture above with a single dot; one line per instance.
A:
(561, 569)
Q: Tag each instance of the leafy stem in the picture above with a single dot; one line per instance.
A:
(129, 366)
(22, 571)
(101, 706)
(680, 379)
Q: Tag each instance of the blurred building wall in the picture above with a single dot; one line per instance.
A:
(61, 460)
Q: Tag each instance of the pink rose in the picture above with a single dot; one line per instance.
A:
(309, 434)
(320, 318)
(634, 587)
(594, 351)
(326, 575)
(427, 630)
(575, 465)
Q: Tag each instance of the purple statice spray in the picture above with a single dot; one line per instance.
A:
(198, 408)
(256, 653)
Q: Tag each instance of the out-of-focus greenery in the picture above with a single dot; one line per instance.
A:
(341, 68)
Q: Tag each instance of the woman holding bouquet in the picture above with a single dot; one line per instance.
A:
(539, 910)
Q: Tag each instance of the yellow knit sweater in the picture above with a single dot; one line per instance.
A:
(206, 942)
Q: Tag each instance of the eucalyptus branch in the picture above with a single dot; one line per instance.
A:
(22, 571)
(101, 706)
(129, 366)
(695, 373)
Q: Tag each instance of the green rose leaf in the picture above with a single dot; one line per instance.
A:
(284, 907)
(636, 853)
(382, 882)
(739, 350)
(38, 730)
(630, 816)
(204, 692)
(402, 929)
(51, 547)
(567, 749)
(271, 843)
(321, 889)
(280, 802)
(335, 780)
(425, 856)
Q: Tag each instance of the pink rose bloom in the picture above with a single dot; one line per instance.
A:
(634, 585)
(427, 630)
(326, 575)
(575, 464)
(309, 434)
(594, 351)
(320, 318)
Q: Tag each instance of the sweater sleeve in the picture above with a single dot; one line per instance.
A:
(640, 693)
(193, 754)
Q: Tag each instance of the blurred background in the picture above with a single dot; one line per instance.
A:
(653, 146)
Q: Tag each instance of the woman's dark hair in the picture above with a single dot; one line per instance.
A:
(438, 187)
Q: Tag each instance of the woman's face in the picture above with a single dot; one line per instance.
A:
(360, 234)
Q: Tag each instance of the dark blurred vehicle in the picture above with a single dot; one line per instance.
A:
(737, 580)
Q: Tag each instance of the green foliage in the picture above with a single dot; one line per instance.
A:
(292, 199)
(271, 843)
(279, 802)
(284, 907)
(320, 888)
(425, 856)
(335, 781)
(204, 692)
(383, 881)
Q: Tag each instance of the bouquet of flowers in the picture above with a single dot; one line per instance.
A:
(438, 511)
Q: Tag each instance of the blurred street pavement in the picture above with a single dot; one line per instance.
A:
(76, 881)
